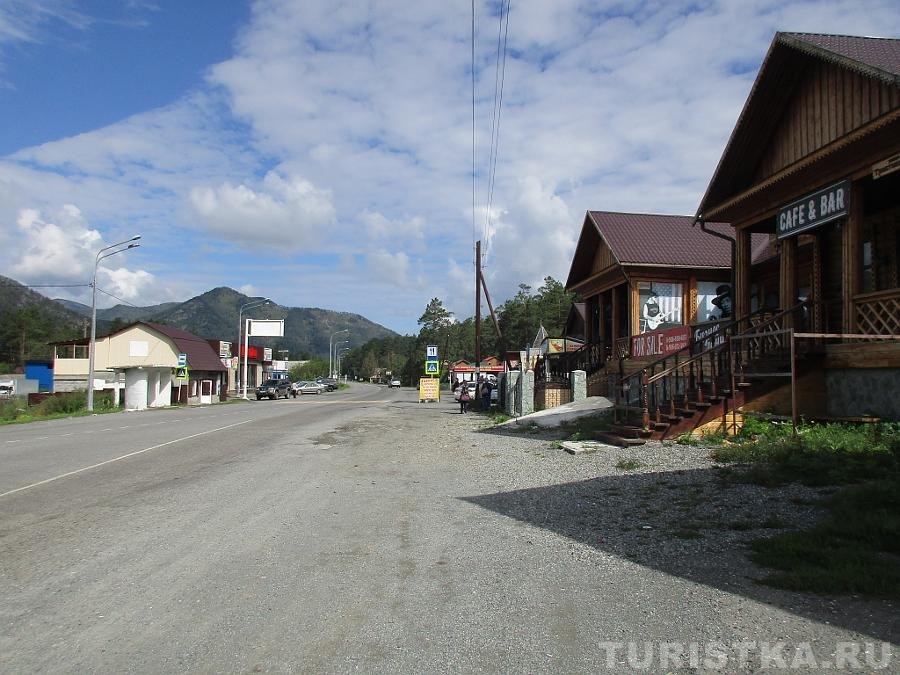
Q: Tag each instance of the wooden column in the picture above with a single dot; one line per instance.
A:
(851, 258)
(787, 280)
(601, 330)
(742, 273)
(616, 310)
(816, 290)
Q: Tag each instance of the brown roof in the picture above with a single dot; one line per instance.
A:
(656, 239)
(879, 57)
(779, 73)
(200, 354)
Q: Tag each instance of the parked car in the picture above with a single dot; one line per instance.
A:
(273, 389)
(330, 383)
(394, 383)
(309, 388)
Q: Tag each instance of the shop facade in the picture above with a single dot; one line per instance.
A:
(813, 165)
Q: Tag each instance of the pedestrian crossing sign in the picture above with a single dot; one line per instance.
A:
(181, 373)
(432, 368)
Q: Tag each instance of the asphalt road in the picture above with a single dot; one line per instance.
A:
(127, 533)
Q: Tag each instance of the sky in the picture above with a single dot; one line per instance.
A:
(320, 152)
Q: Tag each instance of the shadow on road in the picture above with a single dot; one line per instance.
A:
(688, 524)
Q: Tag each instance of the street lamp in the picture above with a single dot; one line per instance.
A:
(340, 353)
(336, 344)
(246, 305)
(101, 254)
(331, 350)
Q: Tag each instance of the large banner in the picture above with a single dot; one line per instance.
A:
(660, 306)
(713, 301)
(659, 343)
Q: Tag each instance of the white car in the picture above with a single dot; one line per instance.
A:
(309, 387)
(394, 383)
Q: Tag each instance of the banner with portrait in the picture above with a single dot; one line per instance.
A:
(659, 306)
(713, 301)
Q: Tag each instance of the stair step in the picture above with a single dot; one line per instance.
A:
(615, 439)
(686, 412)
(701, 405)
(744, 385)
(626, 430)
(673, 419)
(659, 426)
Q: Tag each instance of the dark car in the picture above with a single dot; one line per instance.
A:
(330, 383)
(273, 389)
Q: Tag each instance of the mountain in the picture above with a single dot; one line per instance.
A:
(125, 313)
(15, 296)
(212, 315)
(29, 320)
(307, 330)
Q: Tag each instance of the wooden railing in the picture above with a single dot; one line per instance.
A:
(589, 358)
(701, 370)
(878, 313)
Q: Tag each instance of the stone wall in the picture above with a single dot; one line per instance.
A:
(862, 392)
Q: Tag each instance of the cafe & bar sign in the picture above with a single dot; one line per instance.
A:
(813, 210)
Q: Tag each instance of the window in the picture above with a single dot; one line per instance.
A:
(713, 300)
(879, 245)
(659, 306)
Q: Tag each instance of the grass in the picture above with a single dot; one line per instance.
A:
(586, 428)
(17, 411)
(628, 464)
(856, 547)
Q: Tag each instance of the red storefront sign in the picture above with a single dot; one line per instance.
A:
(659, 343)
(252, 352)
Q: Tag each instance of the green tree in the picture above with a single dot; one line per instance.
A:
(310, 370)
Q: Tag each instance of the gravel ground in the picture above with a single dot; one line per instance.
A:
(653, 554)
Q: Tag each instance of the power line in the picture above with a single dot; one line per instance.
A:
(474, 226)
(115, 297)
(500, 72)
(16, 284)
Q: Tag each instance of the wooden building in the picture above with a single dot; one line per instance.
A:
(813, 164)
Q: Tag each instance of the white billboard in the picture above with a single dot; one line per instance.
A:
(265, 327)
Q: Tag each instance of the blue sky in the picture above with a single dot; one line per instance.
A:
(318, 151)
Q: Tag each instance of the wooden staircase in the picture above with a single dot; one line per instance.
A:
(708, 383)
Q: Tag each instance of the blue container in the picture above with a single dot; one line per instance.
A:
(42, 371)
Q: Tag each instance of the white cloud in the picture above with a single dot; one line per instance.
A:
(363, 111)
(287, 212)
(391, 268)
(62, 251)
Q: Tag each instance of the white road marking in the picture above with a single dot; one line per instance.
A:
(116, 459)
(18, 440)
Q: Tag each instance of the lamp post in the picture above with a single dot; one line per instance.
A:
(101, 254)
(246, 305)
(331, 350)
(340, 354)
(336, 344)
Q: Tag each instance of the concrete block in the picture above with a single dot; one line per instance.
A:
(510, 383)
(578, 380)
(525, 394)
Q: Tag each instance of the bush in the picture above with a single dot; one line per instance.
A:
(65, 404)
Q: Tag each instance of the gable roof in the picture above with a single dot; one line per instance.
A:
(657, 239)
(781, 70)
(200, 354)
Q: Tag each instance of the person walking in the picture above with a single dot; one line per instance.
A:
(463, 398)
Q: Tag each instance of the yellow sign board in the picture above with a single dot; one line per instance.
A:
(429, 389)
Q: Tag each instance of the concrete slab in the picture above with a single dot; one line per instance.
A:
(553, 417)
(586, 447)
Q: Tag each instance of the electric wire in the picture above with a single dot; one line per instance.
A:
(499, 79)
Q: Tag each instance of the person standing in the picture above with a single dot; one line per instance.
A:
(485, 393)
(463, 398)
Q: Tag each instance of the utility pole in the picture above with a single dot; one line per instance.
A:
(477, 309)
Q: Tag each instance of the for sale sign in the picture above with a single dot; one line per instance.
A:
(659, 343)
